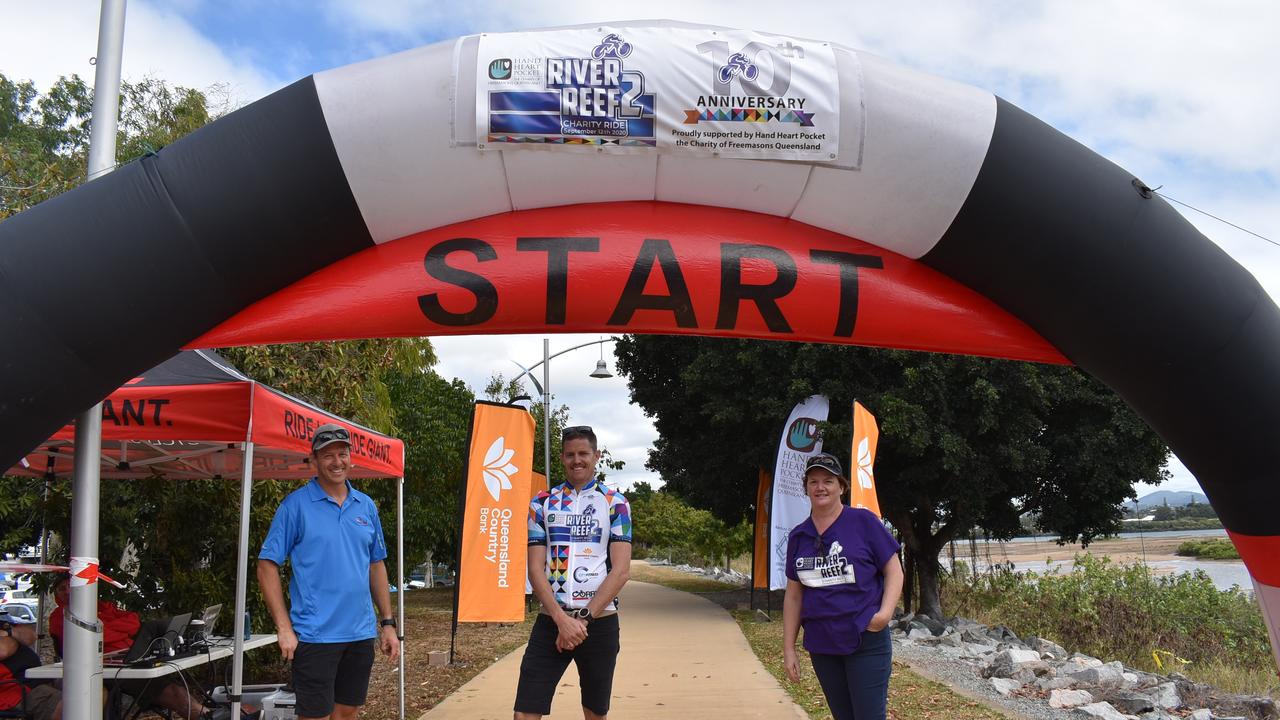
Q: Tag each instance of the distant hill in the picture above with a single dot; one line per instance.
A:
(1174, 498)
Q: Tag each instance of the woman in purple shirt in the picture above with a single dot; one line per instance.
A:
(844, 580)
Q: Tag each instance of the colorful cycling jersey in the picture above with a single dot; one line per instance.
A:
(577, 527)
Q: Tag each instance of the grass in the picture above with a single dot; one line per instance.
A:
(1210, 549)
(676, 580)
(427, 625)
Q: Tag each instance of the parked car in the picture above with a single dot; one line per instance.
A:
(19, 610)
(23, 597)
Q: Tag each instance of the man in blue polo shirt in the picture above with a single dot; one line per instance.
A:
(331, 534)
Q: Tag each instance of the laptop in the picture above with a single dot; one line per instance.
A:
(154, 638)
(209, 615)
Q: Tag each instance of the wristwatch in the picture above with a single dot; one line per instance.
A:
(387, 622)
(584, 614)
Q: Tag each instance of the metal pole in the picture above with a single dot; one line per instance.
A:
(242, 579)
(82, 645)
(401, 590)
(546, 408)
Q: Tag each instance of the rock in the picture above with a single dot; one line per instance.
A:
(1049, 647)
(1101, 676)
(1000, 666)
(1054, 683)
(1085, 660)
(1071, 667)
(1127, 701)
(977, 636)
(1156, 715)
(1000, 633)
(1004, 686)
(917, 634)
(951, 639)
(935, 626)
(1069, 698)
(1022, 657)
(1130, 678)
(1201, 714)
(1165, 695)
(1100, 710)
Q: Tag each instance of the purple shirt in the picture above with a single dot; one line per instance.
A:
(841, 574)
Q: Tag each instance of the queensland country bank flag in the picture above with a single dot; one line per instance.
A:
(863, 478)
(495, 517)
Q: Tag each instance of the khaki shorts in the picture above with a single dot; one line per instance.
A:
(42, 700)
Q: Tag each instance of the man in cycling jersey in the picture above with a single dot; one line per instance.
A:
(579, 559)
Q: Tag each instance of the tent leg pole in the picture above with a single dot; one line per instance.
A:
(82, 644)
(242, 579)
(400, 582)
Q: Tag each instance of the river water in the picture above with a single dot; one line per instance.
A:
(1223, 573)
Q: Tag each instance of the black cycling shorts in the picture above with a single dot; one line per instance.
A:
(328, 673)
(543, 666)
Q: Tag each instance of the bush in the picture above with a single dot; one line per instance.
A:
(1211, 549)
(1120, 612)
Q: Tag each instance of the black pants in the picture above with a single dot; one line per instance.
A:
(543, 666)
(325, 673)
(857, 685)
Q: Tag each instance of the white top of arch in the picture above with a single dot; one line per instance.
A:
(911, 146)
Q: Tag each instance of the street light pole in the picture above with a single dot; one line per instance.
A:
(546, 409)
(545, 389)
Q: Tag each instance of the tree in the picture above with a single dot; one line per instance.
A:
(44, 138)
(432, 415)
(964, 441)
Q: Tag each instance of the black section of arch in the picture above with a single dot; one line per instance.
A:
(111, 278)
(1131, 292)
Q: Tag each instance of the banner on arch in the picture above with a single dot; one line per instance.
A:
(679, 89)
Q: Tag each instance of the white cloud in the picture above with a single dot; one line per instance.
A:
(604, 404)
(42, 41)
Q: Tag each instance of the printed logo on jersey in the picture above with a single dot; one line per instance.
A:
(823, 570)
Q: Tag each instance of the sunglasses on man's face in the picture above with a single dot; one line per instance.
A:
(329, 435)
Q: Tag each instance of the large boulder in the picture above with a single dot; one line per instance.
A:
(1069, 698)
(1004, 686)
(1100, 710)
(1127, 701)
(1100, 676)
(1165, 695)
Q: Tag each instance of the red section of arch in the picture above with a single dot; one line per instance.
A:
(1261, 554)
(375, 293)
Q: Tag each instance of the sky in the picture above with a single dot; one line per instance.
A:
(1181, 94)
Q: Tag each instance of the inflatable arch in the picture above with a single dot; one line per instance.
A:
(737, 184)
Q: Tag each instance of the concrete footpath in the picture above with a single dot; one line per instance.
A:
(682, 657)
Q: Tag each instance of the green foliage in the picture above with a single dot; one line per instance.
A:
(1209, 549)
(44, 138)
(1187, 523)
(663, 525)
(1119, 611)
(964, 441)
(432, 415)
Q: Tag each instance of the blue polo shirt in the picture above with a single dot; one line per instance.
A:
(330, 548)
